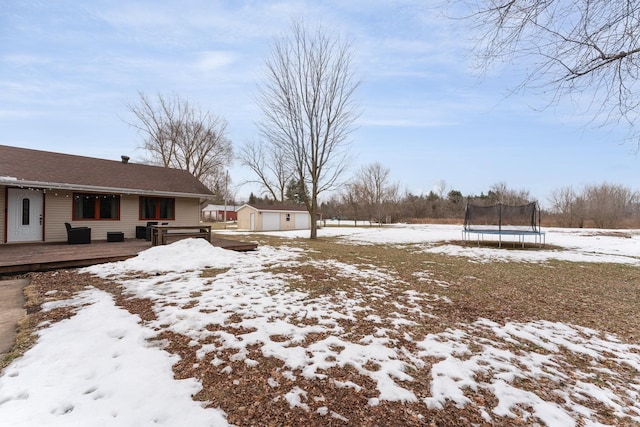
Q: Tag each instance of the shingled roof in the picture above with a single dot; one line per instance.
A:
(44, 169)
(276, 207)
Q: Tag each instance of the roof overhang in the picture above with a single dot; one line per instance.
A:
(14, 182)
(274, 209)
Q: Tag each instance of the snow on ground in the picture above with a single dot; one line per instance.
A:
(95, 369)
(578, 245)
(251, 302)
(501, 366)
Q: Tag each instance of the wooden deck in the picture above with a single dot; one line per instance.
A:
(233, 245)
(28, 257)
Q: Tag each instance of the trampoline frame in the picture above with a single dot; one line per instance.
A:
(499, 229)
(539, 236)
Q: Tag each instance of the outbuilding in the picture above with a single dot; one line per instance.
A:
(273, 217)
(218, 213)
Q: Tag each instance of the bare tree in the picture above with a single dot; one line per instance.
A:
(307, 100)
(269, 163)
(182, 136)
(569, 206)
(414, 206)
(608, 204)
(440, 188)
(501, 193)
(352, 198)
(375, 191)
(578, 47)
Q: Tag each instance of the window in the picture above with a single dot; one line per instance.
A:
(157, 208)
(96, 206)
(25, 211)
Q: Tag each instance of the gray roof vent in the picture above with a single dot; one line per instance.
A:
(125, 159)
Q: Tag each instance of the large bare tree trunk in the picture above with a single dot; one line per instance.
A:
(308, 107)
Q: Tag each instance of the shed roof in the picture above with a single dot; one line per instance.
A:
(276, 208)
(45, 169)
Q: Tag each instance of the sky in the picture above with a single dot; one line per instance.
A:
(68, 70)
(246, 314)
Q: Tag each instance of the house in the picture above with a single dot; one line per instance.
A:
(216, 213)
(40, 191)
(273, 217)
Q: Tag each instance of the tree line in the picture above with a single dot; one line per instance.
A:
(371, 196)
(602, 206)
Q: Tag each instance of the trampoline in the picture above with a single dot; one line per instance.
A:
(499, 220)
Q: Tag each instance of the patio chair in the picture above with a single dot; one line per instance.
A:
(148, 229)
(78, 235)
(141, 232)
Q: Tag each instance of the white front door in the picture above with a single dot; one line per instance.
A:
(252, 219)
(24, 215)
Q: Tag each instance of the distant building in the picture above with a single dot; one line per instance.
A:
(215, 213)
(273, 218)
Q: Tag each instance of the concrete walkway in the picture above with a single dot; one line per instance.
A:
(11, 310)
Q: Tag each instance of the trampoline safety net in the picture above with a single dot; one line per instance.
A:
(502, 218)
(520, 221)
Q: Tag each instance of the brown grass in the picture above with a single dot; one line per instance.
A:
(601, 296)
(605, 297)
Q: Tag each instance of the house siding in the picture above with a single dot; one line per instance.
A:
(3, 212)
(59, 209)
(187, 212)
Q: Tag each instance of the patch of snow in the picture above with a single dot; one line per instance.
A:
(540, 355)
(294, 398)
(97, 368)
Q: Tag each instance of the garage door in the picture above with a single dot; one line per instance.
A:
(270, 221)
(302, 221)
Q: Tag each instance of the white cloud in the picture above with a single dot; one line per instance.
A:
(214, 60)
